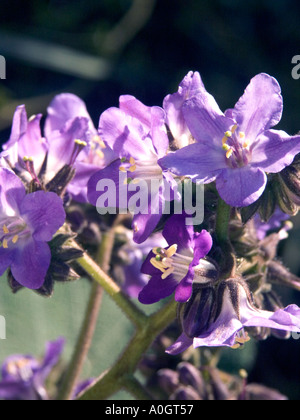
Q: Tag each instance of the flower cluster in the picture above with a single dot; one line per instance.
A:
(130, 174)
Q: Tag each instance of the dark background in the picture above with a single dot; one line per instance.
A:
(148, 46)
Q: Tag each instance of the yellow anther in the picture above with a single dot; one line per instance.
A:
(241, 340)
(171, 251)
(132, 161)
(157, 251)
(229, 153)
(5, 229)
(228, 134)
(234, 128)
(5, 243)
(80, 142)
(167, 273)
(132, 168)
(98, 140)
(15, 239)
(224, 140)
(100, 154)
(242, 135)
(122, 169)
(157, 264)
(31, 118)
(226, 147)
(27, 159)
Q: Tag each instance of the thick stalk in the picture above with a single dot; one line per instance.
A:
(135, 315)
(113, 380)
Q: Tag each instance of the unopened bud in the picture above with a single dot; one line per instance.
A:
(190, 375)
(255, 392)
(168, 380)
(284, 197)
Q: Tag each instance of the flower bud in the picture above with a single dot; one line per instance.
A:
(190, 375)
(256, 392)
(220, 390)
(285, 198)
(168, 380)
(278, 274)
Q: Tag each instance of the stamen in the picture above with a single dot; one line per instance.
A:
(157, 264)
(234, 128)
(98, 140)
(5, 244)
(229, 153)
(240, 340)
(100, 154)
(29, 163)
(167, 273)
(15, 239)
(132, 168)
(5, 229)
(31, 118)
(79, 146)
(171, 251)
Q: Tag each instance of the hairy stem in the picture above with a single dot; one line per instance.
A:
(113, 380)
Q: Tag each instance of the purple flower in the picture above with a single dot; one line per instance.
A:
(173, 104)
(137, 134)
(58, 148)
(23, 376)
(176, 268)
(238, 148)
(70, 138)
(133, 256)
(27, 223)
(276, 222)
(206, 324)
(65, 111)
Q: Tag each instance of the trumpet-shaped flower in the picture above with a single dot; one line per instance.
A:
(218, 319)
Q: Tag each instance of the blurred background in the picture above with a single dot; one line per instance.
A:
(102, 49)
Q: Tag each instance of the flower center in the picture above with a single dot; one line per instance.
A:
(145, 170)
(12, 230)
(236, 147)
(97, 150)
(168, 261)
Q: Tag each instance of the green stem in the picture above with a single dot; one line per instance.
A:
(89, 323)
(133, 313)
(228, 259)
(113, 380)
(136, 389)
(222, 222)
